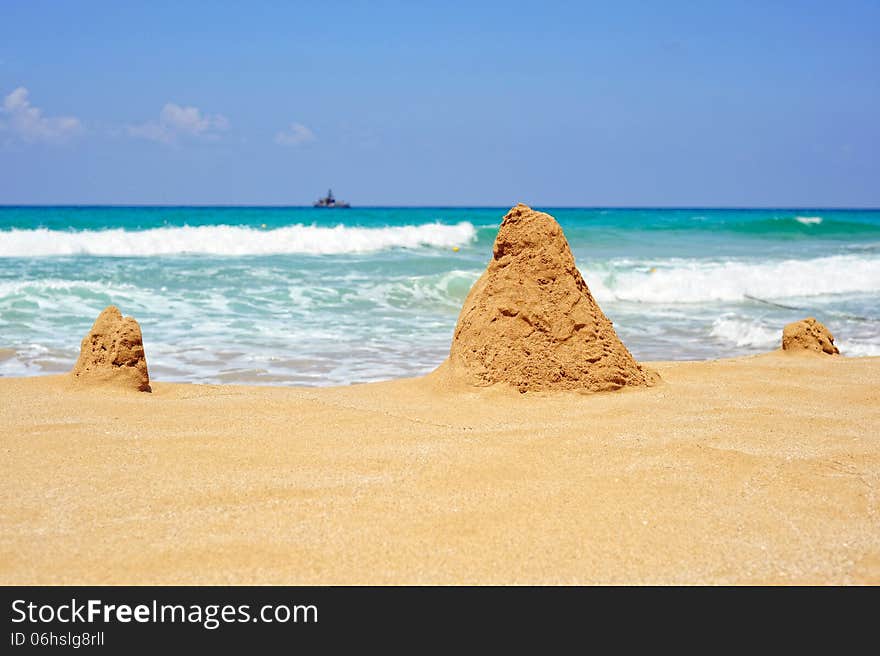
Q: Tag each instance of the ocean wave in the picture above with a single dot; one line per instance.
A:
(699, 281)
(232, 240)
(745, 332)
(858, 349)
(48, 285)
(447, 290)
(796, 227)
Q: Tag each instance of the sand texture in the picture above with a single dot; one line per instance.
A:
(531, 322)
(112, 353)
(808, 335)
(753, 470)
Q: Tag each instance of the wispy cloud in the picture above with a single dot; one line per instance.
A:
(27, 122)
(296, 134)
(176, 121)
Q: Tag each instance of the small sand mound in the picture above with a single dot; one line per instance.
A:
(113, 353)
(531, 322)
(808, 335)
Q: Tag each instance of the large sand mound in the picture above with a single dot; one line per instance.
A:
(531, 322)
(808, 335)
(113, 353)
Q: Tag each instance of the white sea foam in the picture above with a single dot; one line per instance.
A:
(808, 220)
(232, 240)
(745, 332)
(700, 281)
(10, 287)
(857, 348)
(447, 289)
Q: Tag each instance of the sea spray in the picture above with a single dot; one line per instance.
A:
(231, 240)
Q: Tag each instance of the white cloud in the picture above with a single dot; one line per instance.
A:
(28, 123)
(176, 121)
(296, 134)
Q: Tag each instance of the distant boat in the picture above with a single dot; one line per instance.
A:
(329, 202)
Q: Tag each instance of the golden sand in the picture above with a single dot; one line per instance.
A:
(753, 470)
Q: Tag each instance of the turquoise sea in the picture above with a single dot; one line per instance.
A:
(291, 295)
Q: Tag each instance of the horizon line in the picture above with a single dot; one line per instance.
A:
(442, 206)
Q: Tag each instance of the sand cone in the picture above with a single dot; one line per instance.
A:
(113, 353)
(531, 322)
(808, 335)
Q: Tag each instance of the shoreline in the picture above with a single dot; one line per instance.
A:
(757, 469)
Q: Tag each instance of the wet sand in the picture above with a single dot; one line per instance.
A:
(753, 470)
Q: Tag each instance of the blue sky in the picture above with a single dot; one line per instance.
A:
(576, 103)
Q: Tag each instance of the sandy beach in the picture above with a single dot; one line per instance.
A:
(371, 320)
(761, 469)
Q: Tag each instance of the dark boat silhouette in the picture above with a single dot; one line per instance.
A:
(329, 202)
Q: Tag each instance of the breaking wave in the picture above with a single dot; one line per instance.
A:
(232, 240)
(700, 281)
